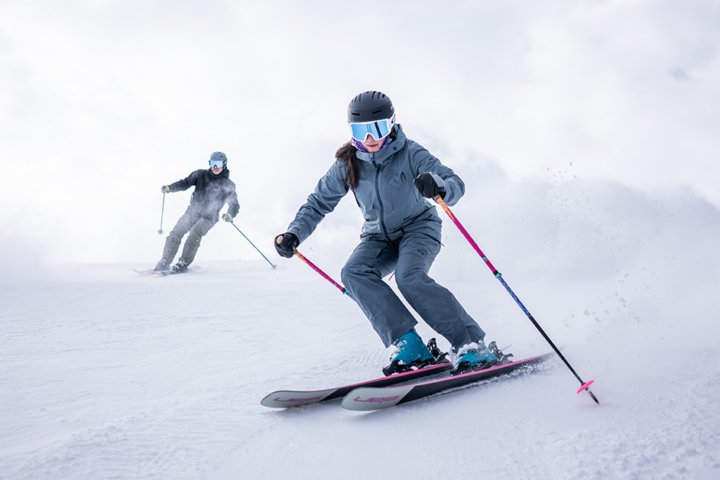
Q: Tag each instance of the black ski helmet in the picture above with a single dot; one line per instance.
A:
(219, 156)
(370, 106)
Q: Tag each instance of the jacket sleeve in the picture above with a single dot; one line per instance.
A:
(328, 192)
(232, 201)
(185, 183)
(423, 161)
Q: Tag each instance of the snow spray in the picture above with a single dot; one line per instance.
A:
(498, 275)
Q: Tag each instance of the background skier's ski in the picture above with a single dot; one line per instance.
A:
(144, 273)
(161, 273)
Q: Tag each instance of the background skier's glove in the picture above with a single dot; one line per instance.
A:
(284, 244)
(430, 184)
(227, 217)
(165, 189)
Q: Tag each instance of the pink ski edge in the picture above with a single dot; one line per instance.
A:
(585, 386)
(474, 372)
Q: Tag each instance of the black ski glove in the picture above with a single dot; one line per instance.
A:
(285, 243)
(430, 184)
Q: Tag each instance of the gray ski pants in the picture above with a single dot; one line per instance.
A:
(198, 227)
(411, 257)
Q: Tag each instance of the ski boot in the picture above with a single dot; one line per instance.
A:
(477, 356)
(162, 266)
(412, 354)
(180, 267)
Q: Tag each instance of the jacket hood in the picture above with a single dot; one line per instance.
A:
(393, 147)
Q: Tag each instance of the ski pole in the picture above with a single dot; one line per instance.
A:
(246, 238)
(498, 275)
(322, 274)
(162, 213)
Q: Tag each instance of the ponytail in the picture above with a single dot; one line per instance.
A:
(346, 154)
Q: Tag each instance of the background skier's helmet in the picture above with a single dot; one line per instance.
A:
(218, 157)
(367, 108)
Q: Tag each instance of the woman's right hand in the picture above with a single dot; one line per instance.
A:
(430, 184)
(285, 244)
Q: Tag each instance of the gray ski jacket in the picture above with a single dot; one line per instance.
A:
(386, 194)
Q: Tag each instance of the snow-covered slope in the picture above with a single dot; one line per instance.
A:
(105, 374)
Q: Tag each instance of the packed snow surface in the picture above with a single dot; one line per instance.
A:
(108, 375)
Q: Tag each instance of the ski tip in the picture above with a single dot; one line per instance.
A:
(585, 386)
(288, 399)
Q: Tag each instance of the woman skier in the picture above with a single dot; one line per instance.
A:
(389, 175)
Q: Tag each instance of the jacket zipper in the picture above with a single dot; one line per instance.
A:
(377, 192)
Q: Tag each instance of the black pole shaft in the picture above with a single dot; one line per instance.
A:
(498, 275)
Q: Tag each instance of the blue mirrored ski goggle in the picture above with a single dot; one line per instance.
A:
(377, 130)
(216, 163)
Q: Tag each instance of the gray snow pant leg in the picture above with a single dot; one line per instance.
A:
(363, 276)
(411, 259)
(435, 303)
(197, 227)
(192, 244)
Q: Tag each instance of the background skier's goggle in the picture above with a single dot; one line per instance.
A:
(216, 163)
(377, 130)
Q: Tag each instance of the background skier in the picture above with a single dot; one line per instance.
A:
(213, 189)
(389, 175)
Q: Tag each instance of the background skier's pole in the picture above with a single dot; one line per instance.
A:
(162, 213)
(241, 233)
(322, 274)
(498, 275)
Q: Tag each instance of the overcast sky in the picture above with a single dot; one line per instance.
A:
(103, 102)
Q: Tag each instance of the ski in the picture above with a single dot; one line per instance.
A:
(295, 398)
(161, 273)
(144, 273)
(150, 272)
(366, 398)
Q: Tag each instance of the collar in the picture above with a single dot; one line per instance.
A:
(224, 174)
(358, 144)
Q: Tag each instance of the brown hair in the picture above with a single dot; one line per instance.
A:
(346, 154)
